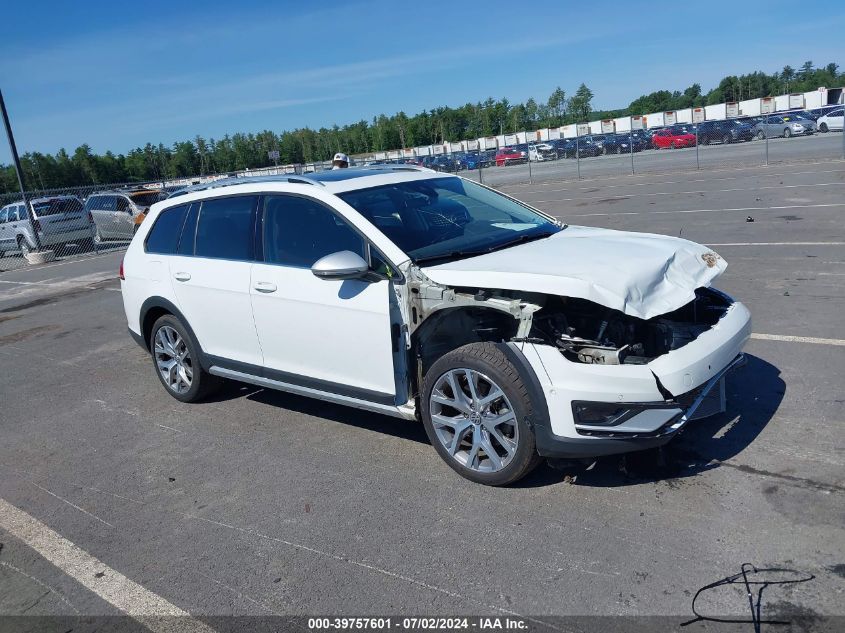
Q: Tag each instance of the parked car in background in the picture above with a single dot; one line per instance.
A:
(786, 125)
(510, 335)
(833, 120)
(117, 214)
(581, 148)
(444, 162)
(816, 113)
(673, 138)
(624, 143)
(476, 160)
(730, 131)
(57, 221)
(509, 156)
(539, 152)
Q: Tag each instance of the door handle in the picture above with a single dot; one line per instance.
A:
(265, 286)
(182, 276)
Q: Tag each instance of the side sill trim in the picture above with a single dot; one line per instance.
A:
(405, 411)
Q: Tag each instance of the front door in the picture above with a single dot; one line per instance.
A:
(332, 335)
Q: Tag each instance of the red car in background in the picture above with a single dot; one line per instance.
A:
(508, 156)
(672, 138)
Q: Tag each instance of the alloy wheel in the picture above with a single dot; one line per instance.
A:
(173, 360)
(474, 420)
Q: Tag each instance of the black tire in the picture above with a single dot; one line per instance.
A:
(23, 246)
(672, 145)
(490, 360)
(761, 135)
(823, 128)
(203, 384)
(705, 140)
(726, 139)
(787, 132)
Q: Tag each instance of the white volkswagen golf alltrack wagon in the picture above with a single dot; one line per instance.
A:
(511, 335)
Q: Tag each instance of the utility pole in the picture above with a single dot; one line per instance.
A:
(18, 170)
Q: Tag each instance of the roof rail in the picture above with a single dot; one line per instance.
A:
(243, 180)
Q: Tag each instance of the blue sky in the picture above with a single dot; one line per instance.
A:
(116, 75)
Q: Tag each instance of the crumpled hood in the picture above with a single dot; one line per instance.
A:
(641, 274)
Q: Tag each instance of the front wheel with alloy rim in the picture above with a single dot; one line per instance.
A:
(760, 135)
(176, 361)
(24, 247)
(787, 133)
(475, 407)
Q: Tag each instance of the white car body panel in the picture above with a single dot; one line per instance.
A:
(832, 122)
(640, 274)
(322, 328)
(216, 302)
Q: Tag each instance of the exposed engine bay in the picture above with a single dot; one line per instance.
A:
(583, 331)
(588, 333)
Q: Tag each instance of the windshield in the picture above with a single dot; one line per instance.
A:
(443, 218)
(56, 205)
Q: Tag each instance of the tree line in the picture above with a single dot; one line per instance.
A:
(472, 120)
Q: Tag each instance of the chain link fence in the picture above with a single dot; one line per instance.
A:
(50, 224)
(57, 223)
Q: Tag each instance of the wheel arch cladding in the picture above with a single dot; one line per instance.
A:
(156, 307)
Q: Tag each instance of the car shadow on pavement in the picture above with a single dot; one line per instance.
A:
(376, 422)
(754, 392)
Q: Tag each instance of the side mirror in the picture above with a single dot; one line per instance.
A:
(340, 265)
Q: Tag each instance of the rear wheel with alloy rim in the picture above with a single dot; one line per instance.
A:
(761, 135)
(787, 132)
(176, 360)
(726, 139)
(823, 127)
(474, 407)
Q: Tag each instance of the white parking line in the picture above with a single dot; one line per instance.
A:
(681, 193)
(775, 208)
(683, 182)
(779, 244)
(110, 585)
(731, 168)
(799, 339)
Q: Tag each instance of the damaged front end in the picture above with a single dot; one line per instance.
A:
(606, 375)
(588, 333)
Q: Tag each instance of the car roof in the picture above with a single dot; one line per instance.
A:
(334, 181)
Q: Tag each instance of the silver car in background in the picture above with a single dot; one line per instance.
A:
(785, 125)
(117, 214)
(57, 220)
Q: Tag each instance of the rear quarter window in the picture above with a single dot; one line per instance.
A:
(164, 236)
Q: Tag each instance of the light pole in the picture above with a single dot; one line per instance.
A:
(18, 170)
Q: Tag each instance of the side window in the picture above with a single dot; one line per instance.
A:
(224, 228)
(299, 231)
(164, 236)
(23, 212)
(3, 215)
(122, 204)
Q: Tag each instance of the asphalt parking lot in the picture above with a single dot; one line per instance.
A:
(262, 503)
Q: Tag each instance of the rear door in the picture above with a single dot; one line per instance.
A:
(124, 219)
(210, 276)
(95, 205)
